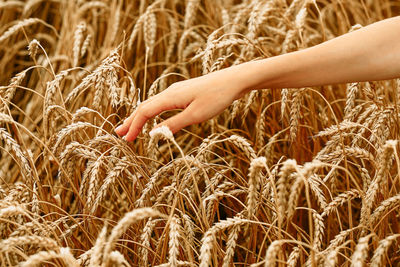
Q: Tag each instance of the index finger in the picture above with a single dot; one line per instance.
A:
(148, 110)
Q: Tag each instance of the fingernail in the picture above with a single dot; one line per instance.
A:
(119, 127)
(124, 137)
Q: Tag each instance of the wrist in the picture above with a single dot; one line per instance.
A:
(243, 78)
(255, 75)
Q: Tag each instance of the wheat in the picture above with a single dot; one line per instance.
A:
(109, 180)
(256, 166)
(384, 208)
(190, 13)
(349, 152)
(272, 252)
(33, 47)
(20, 157)
(96, 254)
(287, 169)
(295, 113)
(21, 24)
(32, 240)
(351, 93)
(172, 38)
(150, 31)
(12, 211)
(174, 237)
(331, 258)
(230, 245)
(263, 178)
(343, 126)
(10, 92)
(384, 163)
(209, 238)
(244, 145)
(145, 241)
(85, 45)
(379, 254)
(293, 257)
(124, 224)
(339, 201)
(44, 256)
(78, 37)
(361, 251)
(318, 230)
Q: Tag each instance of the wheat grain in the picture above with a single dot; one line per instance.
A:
(108, 181)
(379, 254)
(21, 24)
(124, 224)
(272, 252)
(256, 165)
(282, 186)
(174, 237)
(145, 241)
(319, 228)
(295, 113)
(244, 145)
(150, 31)
(190, 13)
(209, 238)
(172, 37)
(44, 256)
(20, 157)
(352, 90)
(339, 201)
(32, 240)
(78, 37)
(361, 251)
(293, 257)
(85, 45)
(337, 129)
(12, 211)
(230, 245)
(10, 92)
(118, 259)
(96, 255)
(33, 47)
(384, 163)
(384, 207)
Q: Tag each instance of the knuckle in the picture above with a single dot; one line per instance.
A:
(144, 111)
(141, 108)
(175, 85)
(195, 116)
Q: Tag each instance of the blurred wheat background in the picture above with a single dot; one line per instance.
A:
(287, 177)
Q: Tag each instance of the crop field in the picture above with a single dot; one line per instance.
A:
(283, 177)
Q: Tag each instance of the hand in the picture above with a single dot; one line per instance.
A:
(200, 98)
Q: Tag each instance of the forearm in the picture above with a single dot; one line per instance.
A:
(371, 53)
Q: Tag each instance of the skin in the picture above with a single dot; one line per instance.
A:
(371, 53)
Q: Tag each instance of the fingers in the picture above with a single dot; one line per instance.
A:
(123, 129)
(181, 120)
(146, 111)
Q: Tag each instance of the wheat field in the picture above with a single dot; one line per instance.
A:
(284, 177)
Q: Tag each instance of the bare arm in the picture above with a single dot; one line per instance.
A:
(371, 53)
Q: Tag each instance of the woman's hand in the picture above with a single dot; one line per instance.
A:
(371, 53)
(200, 98)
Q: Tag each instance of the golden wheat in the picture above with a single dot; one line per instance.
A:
(294, 177)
